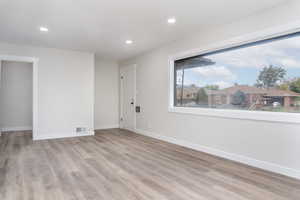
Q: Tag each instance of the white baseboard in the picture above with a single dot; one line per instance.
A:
(101, 127)
(230, 156)
(48, 136)
(18, 128)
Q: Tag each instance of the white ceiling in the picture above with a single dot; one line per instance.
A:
(102, 26)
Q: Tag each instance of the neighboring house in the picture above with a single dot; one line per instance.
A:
(188, 92)
(253, 97)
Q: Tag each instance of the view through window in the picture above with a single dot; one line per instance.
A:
(262, 76)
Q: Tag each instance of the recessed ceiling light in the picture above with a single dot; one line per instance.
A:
(128, 41)
(172, 20)
(44, 29)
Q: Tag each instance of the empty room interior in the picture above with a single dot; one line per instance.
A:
(150, 100)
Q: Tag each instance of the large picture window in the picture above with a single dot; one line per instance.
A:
(260, 76)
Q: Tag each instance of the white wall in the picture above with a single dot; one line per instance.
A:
(106, 94)
(65, 89)
(274, 146)
(16, 96)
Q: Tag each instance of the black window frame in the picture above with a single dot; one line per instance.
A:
(202, 56)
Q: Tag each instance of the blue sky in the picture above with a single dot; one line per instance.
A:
(243, 65)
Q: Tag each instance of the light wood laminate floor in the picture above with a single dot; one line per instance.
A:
(120, 165)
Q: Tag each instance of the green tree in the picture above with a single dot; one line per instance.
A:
(270, 76)
(238, 98)
(284, 86)
(202, 96)
(295, 85)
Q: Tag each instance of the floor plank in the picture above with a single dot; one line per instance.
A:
(118, 164)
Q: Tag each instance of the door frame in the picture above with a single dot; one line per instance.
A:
(34, 61)
(122, 69)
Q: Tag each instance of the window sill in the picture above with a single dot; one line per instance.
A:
(240, 114)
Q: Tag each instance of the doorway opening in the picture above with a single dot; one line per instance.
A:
(18, 95)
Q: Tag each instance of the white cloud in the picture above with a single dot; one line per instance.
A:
(292, 63)
(293, 43)
(283, 53)
(215, 72)
(190, 82)
(223, 84)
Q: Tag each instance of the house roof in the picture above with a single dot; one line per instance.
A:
(189, 88)
(244, 88)
(282, 93)
(254, 90)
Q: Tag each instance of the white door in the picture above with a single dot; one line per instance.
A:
(127, 97)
